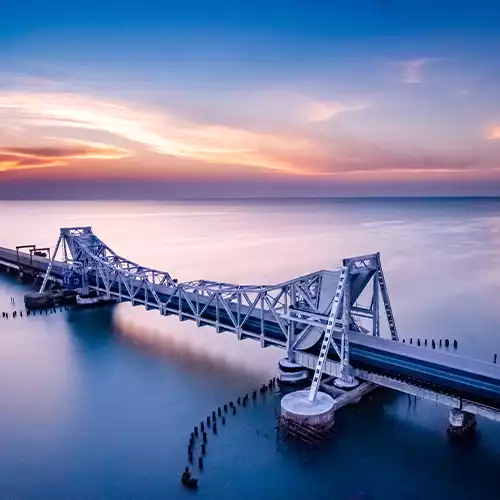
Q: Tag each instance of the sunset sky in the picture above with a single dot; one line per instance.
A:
(221, 98)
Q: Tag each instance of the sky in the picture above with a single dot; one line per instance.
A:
(208, 99)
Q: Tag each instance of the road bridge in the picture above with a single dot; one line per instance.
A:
(319, 320)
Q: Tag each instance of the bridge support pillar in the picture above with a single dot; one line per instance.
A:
(346, 382)
(291, 373)
(461, 422)
(298, 411)
(34, 300)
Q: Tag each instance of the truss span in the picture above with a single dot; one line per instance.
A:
(273, 314)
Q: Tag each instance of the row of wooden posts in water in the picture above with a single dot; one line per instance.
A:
(32, 312)
(447, 343)
(433, 343)
(200, 432)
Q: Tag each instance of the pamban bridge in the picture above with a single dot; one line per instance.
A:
(317, 319)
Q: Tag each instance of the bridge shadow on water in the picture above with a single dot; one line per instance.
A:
(92, 324)
(97, 328)
(199, 350)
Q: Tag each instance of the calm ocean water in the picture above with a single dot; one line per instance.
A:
(99, 404)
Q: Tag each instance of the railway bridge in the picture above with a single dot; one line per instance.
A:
(327, 322)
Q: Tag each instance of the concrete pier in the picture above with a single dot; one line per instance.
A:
(297, 408)
(36, 300)
(320, 414)
(353, 396)
(351, 383)
(291, 373)
(461, 422)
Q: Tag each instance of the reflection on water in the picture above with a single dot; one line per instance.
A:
(99, 403)
(207, 353)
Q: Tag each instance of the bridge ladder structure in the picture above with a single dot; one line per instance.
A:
(327, 339)
(385, 299)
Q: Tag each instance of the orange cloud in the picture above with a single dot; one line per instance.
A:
(21, 158)
(295, 152)
(159, 133)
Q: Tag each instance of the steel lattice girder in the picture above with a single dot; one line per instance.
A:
(263, 312)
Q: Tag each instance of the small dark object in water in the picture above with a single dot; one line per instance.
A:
(403, 341)
(202, 426)
(495, 358)
(200, 463)
(411, 341)
(234, 410)
(189, 481)
(203, 448)
(223, 420)
(231, 404)
(446, 343)
(225, 408)
(214, 428)
(196, 430)
(254, 394)
(455, 344)
(440, 342)
(238, 401)
(433, 344)
(204, 437)
(418, 342)
(219, 411)
(425, 342)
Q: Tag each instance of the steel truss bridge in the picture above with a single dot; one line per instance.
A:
(317, 318)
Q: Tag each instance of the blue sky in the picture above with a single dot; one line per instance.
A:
(371, 97)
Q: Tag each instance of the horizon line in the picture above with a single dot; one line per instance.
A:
(270, 198)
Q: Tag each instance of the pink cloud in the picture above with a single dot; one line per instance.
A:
(494, 133)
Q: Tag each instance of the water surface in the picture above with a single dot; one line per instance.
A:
(100, 404)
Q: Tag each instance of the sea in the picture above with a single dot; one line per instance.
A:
(100, 403)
